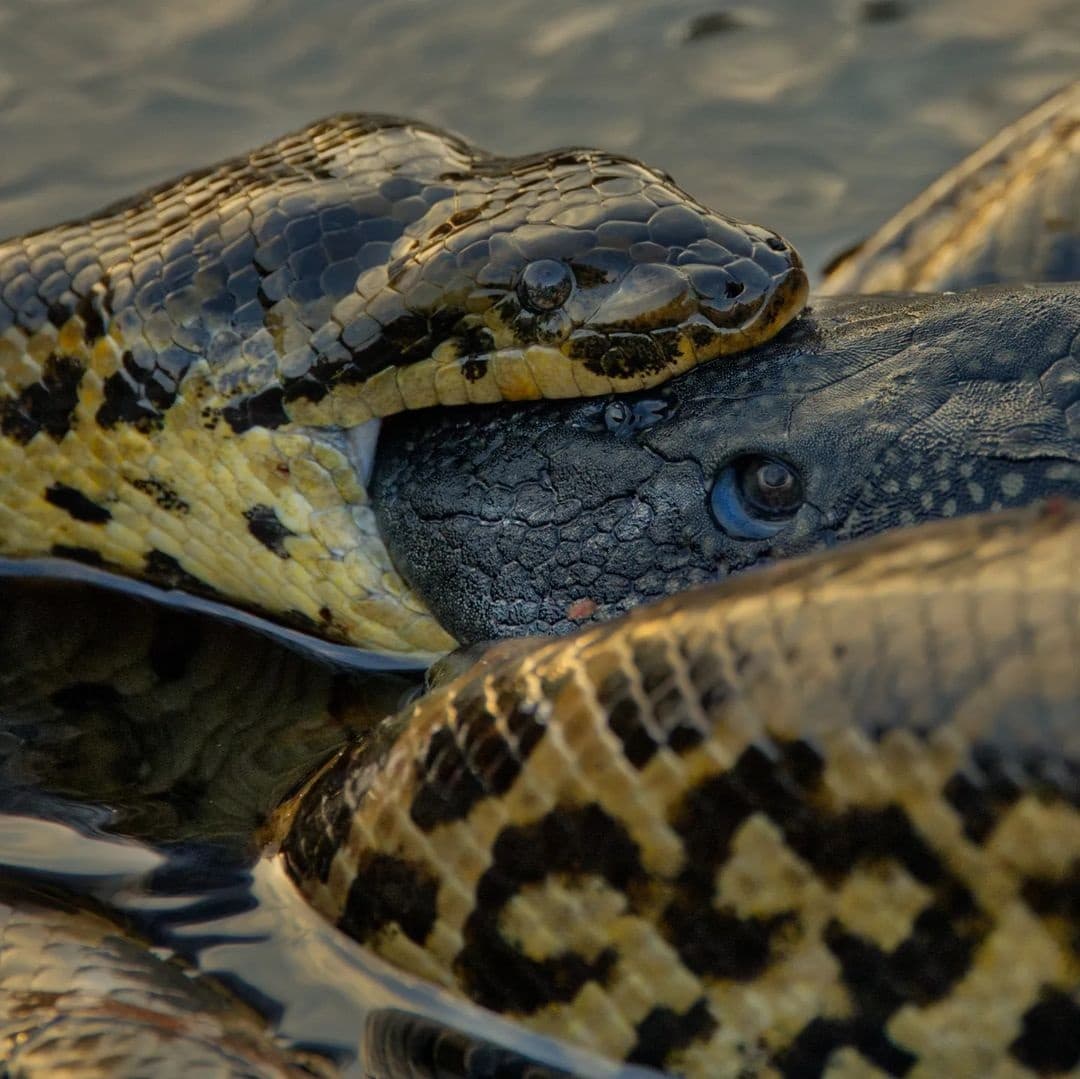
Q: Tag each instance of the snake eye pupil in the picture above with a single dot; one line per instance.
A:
(770, 487)
(545, 285)
(755, 496)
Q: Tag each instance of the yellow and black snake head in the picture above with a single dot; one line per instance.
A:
(556, 276)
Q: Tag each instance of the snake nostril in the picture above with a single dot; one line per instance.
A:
(776, 243)
(733, 289)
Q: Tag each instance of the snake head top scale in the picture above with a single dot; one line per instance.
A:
(186, 376)
(561, 275)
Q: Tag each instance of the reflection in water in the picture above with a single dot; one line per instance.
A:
(181, 724)
(816, 117)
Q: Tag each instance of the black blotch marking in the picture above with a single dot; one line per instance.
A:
(86, 697)
(76, 504)
(567, 841)
(1049, 1039)
(388, 890)
(447, 788)
(303, 621)
(264, 525)
(778, 780)
(626, 355)
(323, 822)
(642, 735)
(87, 555)
(664, 1030)
(700, 335)
(265, 409)
(982, 792)
(473, 760)
(923, 967)
(408, 339)
(162, 494)
(588, 347)
(809, 1052)
(718, 943)
(474, 370)
(46, 405)
(136, 395)
(1057, 898)
(162, 569)
(475, 341)
(322, 825)
(173, 646)
(93, 309)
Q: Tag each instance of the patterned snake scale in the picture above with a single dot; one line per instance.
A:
(819, 820)
(821, 817)
(185, 377)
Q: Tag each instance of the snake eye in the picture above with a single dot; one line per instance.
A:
(618, 417)
(755, 496)
(545, 285)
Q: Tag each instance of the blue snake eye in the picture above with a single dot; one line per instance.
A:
(545, 285)
(755, 496)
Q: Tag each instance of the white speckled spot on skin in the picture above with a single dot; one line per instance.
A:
(1012, 484)
(975, 490)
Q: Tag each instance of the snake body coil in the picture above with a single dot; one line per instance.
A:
(824, 817)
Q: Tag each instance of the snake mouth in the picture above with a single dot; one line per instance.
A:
(694, 319)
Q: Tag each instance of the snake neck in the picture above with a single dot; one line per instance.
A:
(123, 341)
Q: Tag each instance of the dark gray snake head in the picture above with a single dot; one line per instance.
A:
(868, 414)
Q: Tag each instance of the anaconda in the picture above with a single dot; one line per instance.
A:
(820, 819)
(855, 1025)
(185, 377)
(865, 415)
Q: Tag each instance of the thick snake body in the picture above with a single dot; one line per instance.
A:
(1009, 213)
(823, 819)
(185, 378)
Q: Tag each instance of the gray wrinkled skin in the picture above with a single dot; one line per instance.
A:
(534, 519)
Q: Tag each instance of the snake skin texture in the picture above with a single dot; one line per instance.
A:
(185, 377)
(817, 819)
(821, 818)
(79, 997)
(1008, 213)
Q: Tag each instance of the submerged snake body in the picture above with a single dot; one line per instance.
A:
(185, 377)
(823, 817)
